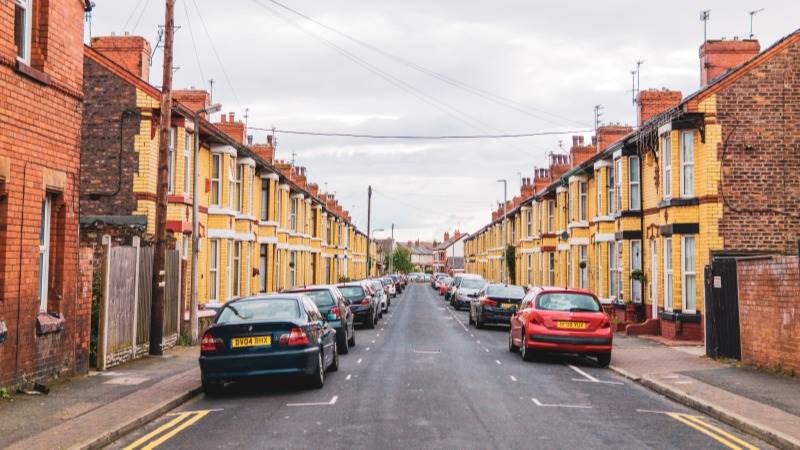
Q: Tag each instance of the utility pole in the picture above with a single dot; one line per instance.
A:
(159, 254)
(369, 239)
(503, 254)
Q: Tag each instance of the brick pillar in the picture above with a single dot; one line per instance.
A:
(83, 326)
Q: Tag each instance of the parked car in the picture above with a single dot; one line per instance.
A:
(451, 288)
(436, 276)
(398, 286)
(561, 320)
(466, 291)
(336, 310)
(495, 304)
(388, 286)
(363, 306)
(442, 284)
(267, 335)
(380, 294)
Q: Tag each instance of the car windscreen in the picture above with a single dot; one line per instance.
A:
(567, 301)
(445, 280)
(272, 309)
(352, 293)
(386, 281)
(471, 283)
(321, 297)
(515, 292)
(377, 286)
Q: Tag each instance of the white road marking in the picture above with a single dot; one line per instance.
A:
(373, 341)
(589, 378)
(359, 361)
(331, 402)
(471, 335)
(487, 350)
(544, 405)
(652, 411)
(513, 378)
(367, 349)
(477, 342)
(378, 335)
(381, 328)
(498, 362)
(348, 377)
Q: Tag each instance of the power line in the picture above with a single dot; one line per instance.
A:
(216, 54)
(498, 99)
(422, 137)
(133, 13)
(138, 19)
(194, 44)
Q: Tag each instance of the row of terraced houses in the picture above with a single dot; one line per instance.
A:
(646, 217)
(78, 160)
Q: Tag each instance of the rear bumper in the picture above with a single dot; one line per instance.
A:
(500, 316)
(301, 361)
(570, 344)
(461, 303)
(362, 315)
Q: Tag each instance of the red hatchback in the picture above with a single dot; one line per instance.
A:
(561, 320)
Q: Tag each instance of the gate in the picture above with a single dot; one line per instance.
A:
(722, 309)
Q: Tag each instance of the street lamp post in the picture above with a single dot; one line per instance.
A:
(503, 254)
(194, 324)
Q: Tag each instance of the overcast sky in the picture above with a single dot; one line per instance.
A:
(554, 60)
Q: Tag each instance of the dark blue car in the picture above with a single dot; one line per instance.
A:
(278, 334)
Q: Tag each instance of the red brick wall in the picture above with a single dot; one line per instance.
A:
(769, 311)
(40, 139)
(685, 331)
(760, 187)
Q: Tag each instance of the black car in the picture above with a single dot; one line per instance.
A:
(277, 334)
(336, 311)
(362, 305)
(495, 304)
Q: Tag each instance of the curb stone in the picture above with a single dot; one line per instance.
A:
(735, 420)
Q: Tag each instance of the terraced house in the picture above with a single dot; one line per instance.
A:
(645, 217)
(262, 226)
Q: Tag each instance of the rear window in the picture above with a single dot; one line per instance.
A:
(320, 298)
(472, 283)
(386, 281)
(565, 301)
(514, 292)
(352, 292)
(273, 309)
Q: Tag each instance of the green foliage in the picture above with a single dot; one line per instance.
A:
(638, 275)
(401, 260)
(511, 262)
(184, 340)
(4, 395)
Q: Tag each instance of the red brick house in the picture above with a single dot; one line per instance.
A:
(44, 303)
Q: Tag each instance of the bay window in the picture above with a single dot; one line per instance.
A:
(610, 185)
(689, 294)
(216, 172)
(634, 184)
(213, 271)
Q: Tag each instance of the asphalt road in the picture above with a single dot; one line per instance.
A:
(425, 379)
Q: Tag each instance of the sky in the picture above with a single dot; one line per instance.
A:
(433, 67)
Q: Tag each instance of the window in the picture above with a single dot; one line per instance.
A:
(551, 276)
(541, 269)
(187, 164)
(653, 273)
(216, 172)
(251, 177)
(278, 205)
(44, 251)
(228, 279)
(213, 271)
(237, 195)
(610, 189)
(636, 264)
(599, 193)
(634, 184)
(185, 241)
(582, 194)
(598, 256)
(265, 199)
(292, 268)
(237, 267)
(570, 206)
(568, 269)
(530, 269)
(550, 211)
(171, 162)
(23, 19)
(293, 215)
(618, 188)
(666, 162)
(583, 267)
(247, 272)
(612, 270)
(688, 289)
(687, 164)
(231, 182)
(529, 222)
(278, 271)
(668, 274)
(262, 268)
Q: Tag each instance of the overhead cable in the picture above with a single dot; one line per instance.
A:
(423, 137)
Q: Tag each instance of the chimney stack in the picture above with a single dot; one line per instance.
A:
(719, 56)
(130, 52)
(652, 102)
(609, 134)
(194, 99)
(229, 126)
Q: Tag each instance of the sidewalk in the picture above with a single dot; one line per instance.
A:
(756, 402)
(90, 411)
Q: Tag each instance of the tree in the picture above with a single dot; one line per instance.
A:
(401, 260)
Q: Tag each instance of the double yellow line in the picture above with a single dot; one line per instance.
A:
(719, 435)
(182, 421)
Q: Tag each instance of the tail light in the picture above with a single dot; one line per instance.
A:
(335, 314)
(487, 302)
(210, 343)
(536, 320)
(366, 301)
(605, 323)
(295, 337)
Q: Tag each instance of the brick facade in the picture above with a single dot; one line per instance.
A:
(40, 116)
(769, 293)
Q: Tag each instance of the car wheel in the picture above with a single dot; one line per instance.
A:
(511, 347)
(342, 346)
(352, 341)
(478, 323)
(604, 359)
(212, 388)
(317, 379)
(527, 354)
(370, 322)
(335, 364)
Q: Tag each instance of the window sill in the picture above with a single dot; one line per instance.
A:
(47, 323)
(32, 73)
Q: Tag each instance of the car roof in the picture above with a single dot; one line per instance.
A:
(504, 285)
(314, 287)
(470, 275)
(548, 289)
(274, 296)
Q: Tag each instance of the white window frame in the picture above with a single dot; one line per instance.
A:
(293, 214)
(44, 251)
(529, 224)
(187, 163)
(634, 185)
(610, 190)
(24, 53)
(265, 182)
(551, 206)
(237, 269)
(530, 269)
(172, 159)
(231, 181)
(216, 164)
(618, 188)
(583, 195)
(687, 163)
(667, 250)
(599, 193)
(251, 178)
(666, 163)
(551, 269)
(263, 263)
(292, 269)
(583, 257)
(599, 258)
(568, 267)
(278, 272)
(654, 273)
(213, 270)
(278, 206)
(689, 272)
(238, 197)
(228, 264)
(613, 284)
(636, 264)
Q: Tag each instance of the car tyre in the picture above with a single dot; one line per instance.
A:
(212, 388)
(527, 354)
(511, 347)
(342, 347)
(335, 364)
(352, 341)
(604, 359)
(317, 379)
(478, 323)
(370, 323)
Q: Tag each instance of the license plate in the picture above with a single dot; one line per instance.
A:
(251, 341)
(568, 324)
(508, 305)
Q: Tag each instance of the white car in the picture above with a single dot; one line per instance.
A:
(380, 294)
(388, 285)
